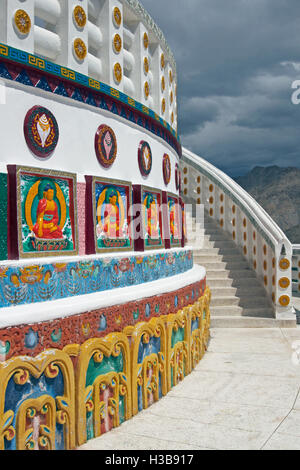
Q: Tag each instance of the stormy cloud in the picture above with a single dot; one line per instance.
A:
(236, 62)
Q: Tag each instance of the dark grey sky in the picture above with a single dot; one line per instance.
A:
(236, 61)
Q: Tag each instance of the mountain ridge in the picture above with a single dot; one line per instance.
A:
(277, 190)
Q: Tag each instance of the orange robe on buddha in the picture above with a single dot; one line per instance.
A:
(50, 228)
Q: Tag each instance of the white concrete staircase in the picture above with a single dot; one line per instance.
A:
(238, 297)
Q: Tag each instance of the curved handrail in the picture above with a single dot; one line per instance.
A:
(263, 219)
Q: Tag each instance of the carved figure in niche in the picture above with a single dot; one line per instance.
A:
(47, 216)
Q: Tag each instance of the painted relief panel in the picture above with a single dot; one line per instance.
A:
(111, 203)
(175, 220)
(46, 212)
(41, 131)
(152, 218)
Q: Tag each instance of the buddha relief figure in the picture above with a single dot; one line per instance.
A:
(174, 222)
(152, 217)
(111, 223)
(47, 216)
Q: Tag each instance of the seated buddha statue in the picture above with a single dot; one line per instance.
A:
(174, 222)
(152, 217)
(111, 214)
(47, 216)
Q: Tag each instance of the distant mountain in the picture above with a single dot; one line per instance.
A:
(277, 190)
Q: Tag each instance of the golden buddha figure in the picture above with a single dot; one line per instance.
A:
(47, 216)
(111, 214)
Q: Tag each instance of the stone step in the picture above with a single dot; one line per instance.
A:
(209, 251)
(255, 300)
(262, 311)
(241, 274)
(219, 283)
(202, 259)
(244, 322)
(221, 237)
(216, 274)
(246, 282)
(237, 265)
(213, 266)
(224, 301)
(255, 290)
(225, 310)
(225, 244)
(222, 291)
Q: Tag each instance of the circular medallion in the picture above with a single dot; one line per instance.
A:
(177, 177)
(80, 49)
(117, 17)
(117, 43)
(146, 65)
(105, 145)
(163, 105)
(166, 168)
(79, 16)
(22, 21)
(170, 77)
(284, 263)
(162, 61)
(171, 97)
(284, 300)
(163, 83)
(145, 40)
(284, 282)
(117, 73)
(146, 89)
(41, 131)
(145, 158)
(172, 117)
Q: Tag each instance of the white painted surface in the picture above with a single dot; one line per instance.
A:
(46, 311)
(75, 150)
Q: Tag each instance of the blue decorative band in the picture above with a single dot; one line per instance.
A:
(51, 281)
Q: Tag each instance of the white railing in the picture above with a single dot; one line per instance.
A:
(55, 27)
(296, 269)
(262, 242)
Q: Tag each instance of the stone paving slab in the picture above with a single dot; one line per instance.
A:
(244, 394)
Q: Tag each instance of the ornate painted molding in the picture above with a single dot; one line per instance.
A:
(57, 280)
(32, 339)
(30, 70)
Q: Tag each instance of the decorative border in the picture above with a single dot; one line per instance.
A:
(54, 78)
(44, 282)
(31, 339)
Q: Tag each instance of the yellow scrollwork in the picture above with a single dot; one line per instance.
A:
(36, 417)
(142, 333)
(101, 397)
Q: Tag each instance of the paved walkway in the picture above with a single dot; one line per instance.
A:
(244, 394)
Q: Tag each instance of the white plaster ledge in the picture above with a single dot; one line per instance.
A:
(52, 310)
